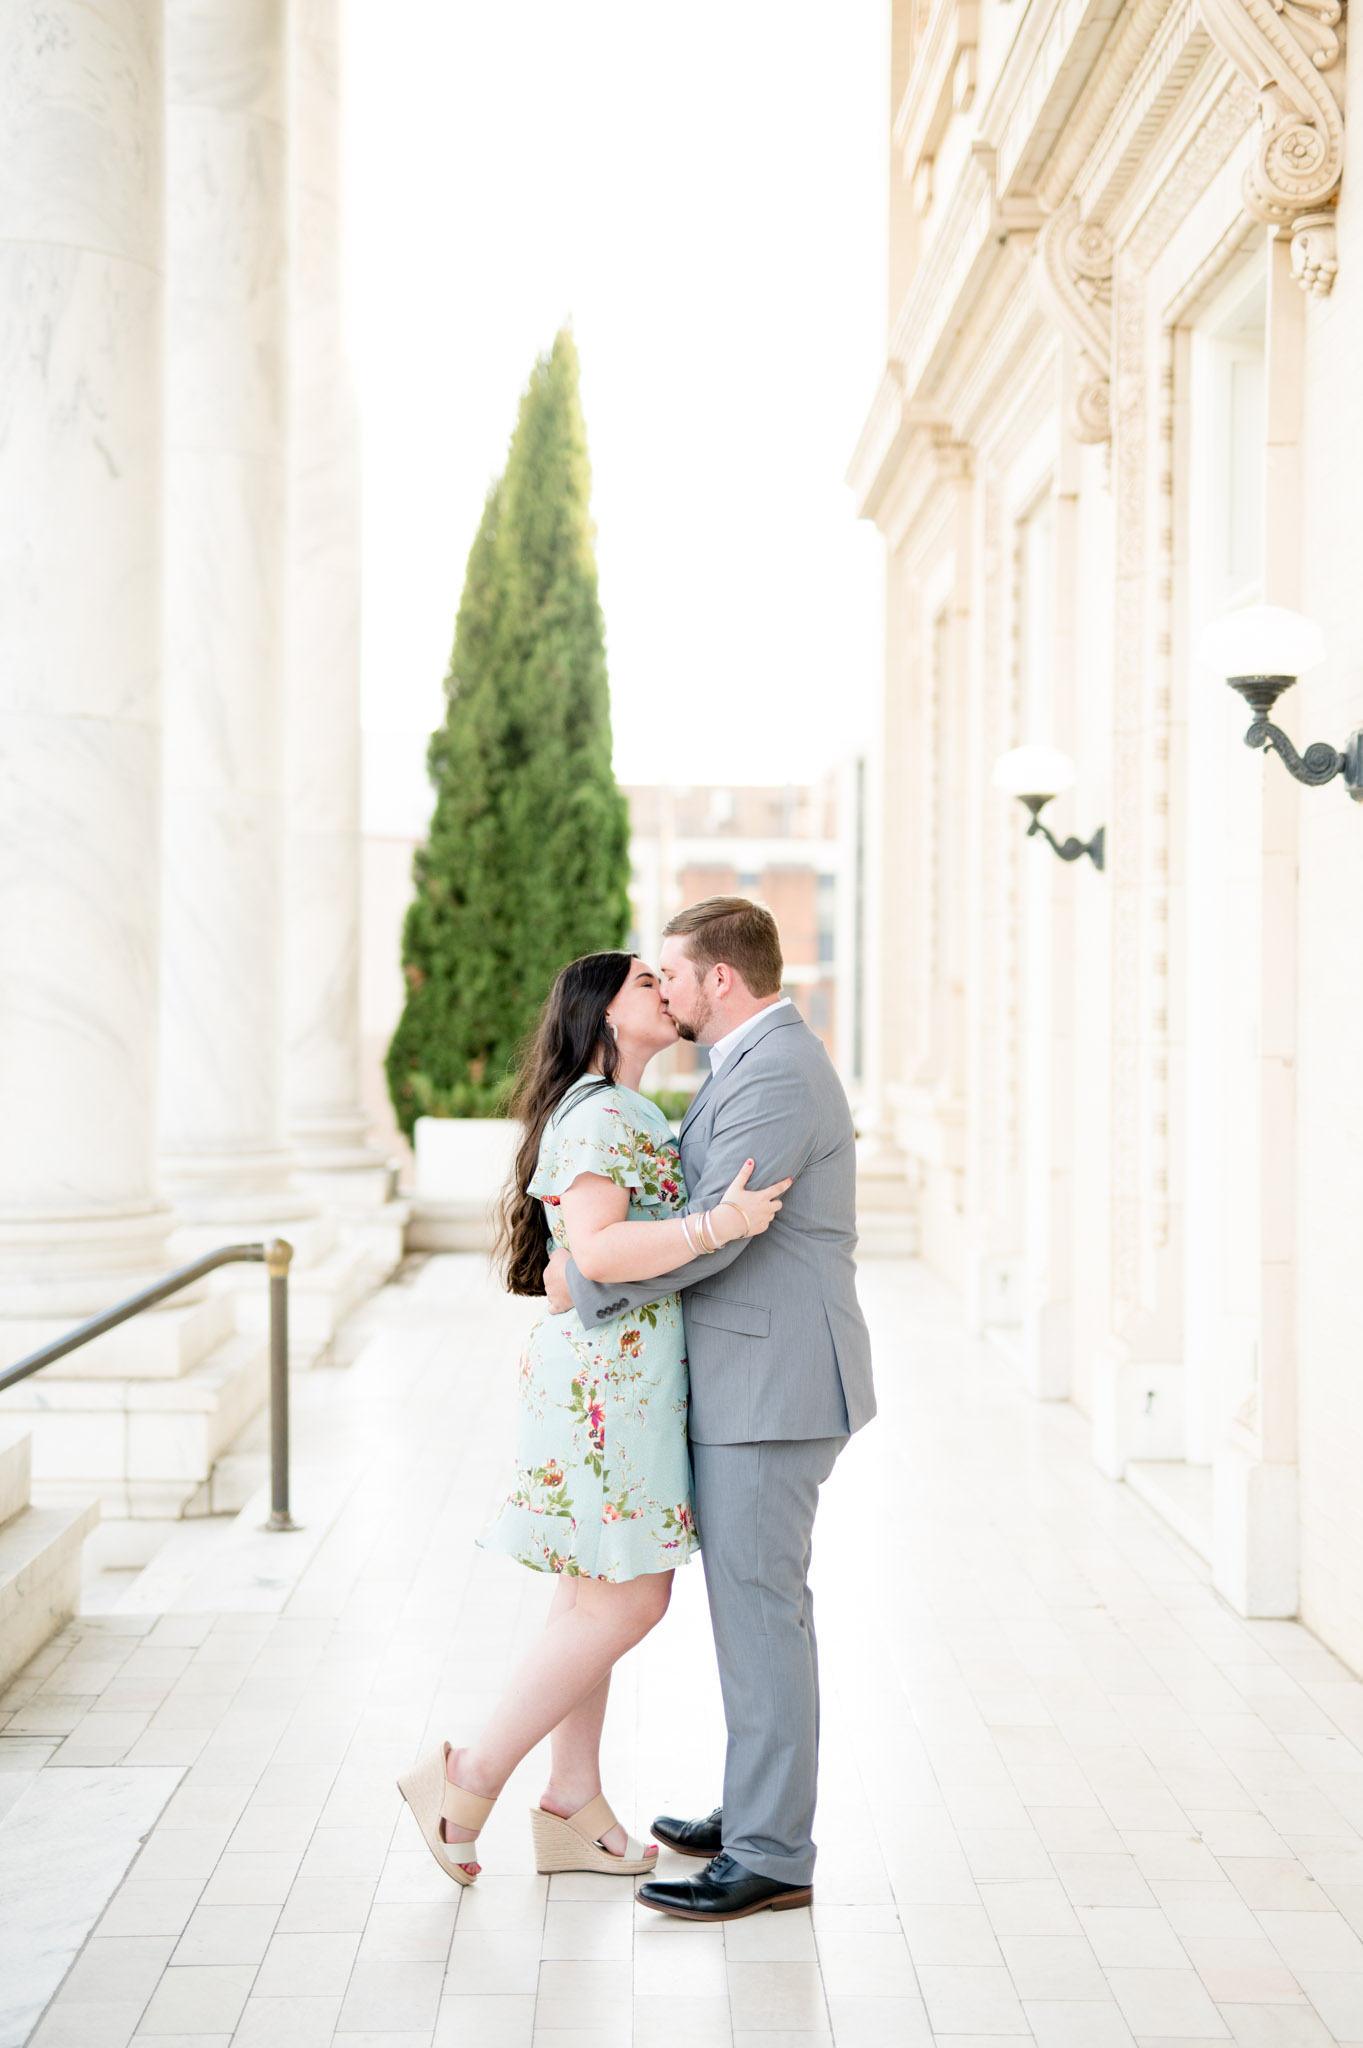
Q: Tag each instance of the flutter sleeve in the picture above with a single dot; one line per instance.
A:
(591, 1135)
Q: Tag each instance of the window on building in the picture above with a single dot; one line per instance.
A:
(820, 1008)
(828, 918)
(747, 883)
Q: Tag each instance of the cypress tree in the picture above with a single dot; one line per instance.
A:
(527, 861)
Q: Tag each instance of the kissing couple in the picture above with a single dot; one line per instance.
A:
(660, 1254)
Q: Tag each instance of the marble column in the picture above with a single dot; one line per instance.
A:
(80, 650)
(222, 1125)
(322, 749)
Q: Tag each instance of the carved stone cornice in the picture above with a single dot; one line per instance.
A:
(890, 426)
(1290, 51)
(1074, 274)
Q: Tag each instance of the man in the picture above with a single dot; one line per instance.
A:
(780, 1377)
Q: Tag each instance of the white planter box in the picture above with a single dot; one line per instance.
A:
(462, 1163)
(463, 1158)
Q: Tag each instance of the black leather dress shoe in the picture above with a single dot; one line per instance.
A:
(724, 1891)
(703, 1838)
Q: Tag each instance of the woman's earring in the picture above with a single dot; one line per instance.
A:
(611, 1027)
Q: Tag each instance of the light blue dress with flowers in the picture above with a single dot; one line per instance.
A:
(603, 1472)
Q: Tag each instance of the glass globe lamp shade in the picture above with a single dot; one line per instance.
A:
(1040, 772)
(1261, 640)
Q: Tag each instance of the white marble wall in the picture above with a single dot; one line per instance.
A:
(322, 751)
(226, 427)
(80, 647)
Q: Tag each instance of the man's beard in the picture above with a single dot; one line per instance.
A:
(693, 1027)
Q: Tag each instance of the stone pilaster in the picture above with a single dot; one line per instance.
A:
(322, 750)
(80, 651)
(223, 1142)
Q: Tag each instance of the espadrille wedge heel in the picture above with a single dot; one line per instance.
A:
(575, 1844)
(433, 1799)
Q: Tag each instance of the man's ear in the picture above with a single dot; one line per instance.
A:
(724, 979)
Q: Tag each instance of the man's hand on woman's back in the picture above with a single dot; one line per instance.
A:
(556, 1284)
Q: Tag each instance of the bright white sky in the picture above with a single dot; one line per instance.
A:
(701, 191)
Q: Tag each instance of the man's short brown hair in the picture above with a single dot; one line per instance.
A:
(741, 934)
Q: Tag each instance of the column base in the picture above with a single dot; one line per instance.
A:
(1255, 1544)
(236, 1188)
(70, 1267)
(1137, 1411)
(335, 1162)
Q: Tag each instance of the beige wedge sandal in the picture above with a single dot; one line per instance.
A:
(434, 1799)
(575, 1844)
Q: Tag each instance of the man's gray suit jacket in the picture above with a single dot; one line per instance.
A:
(775, 1336)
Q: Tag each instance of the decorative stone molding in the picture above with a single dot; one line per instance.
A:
(1180, 189)
(1290, 50)
(1314, 255)
(1075, 258)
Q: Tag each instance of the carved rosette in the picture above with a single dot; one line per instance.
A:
(1075, 277)
(1290, 51)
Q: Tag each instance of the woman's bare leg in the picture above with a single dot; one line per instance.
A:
(575, 1769)
(575, 1745)
(562, 1673)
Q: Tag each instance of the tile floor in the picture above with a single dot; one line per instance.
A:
(1068, 1798)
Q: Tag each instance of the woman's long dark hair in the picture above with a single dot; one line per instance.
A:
(572, 1033)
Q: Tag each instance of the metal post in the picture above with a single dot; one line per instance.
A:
(278, 1255)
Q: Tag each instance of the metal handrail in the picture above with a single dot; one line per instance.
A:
(276, 1257)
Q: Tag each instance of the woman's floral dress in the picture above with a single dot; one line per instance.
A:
(603, 1473)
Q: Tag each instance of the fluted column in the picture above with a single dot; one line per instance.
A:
(322, 753)
(80, 649)
(226, 427)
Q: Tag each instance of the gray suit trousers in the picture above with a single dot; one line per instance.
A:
(755, 1506)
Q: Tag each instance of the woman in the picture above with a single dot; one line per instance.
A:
(603, 1486)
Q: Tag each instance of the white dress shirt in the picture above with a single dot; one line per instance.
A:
(724, 1048)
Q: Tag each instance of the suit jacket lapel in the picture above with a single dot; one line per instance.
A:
(696, 1101)
(775, 1022)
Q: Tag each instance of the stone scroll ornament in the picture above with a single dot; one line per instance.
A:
(1075, 258)
(1291, 52)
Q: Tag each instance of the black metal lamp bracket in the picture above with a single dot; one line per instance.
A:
(1071, 848)
(1321, 762)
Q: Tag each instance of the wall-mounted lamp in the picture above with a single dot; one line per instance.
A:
(1261, 651)
(1034, 775)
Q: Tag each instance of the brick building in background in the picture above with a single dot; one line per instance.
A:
(796, 849)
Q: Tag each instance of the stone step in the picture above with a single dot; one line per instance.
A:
(380, 1233)
(15, 1467)
(236, 1478)
(238, 1474)
(161, 1343)
(142, 1447)
(40, 1567)
(313, 1238)
(320, 1299)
